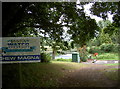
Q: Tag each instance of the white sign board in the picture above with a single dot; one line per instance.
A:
(19, 49)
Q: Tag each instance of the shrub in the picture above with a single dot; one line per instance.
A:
(83, 53)
(108, 47)
(45, 57)
(96, 43)
(94, 49)
(83, 58)
(116, 48)
(104, 48)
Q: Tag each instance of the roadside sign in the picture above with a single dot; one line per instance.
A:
(19, 49)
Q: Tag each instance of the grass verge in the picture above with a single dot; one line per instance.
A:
(113, 64)
(65, 60)
(38, 74)
(112, 74)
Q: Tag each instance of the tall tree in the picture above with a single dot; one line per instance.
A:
(102, 9)
(49, 18)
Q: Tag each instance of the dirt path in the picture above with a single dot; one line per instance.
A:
(90, 76)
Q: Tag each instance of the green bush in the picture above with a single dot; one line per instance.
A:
(83, 54)
(96, 43)
(45, 57)
(108, 47)
(61, 59)
(83, 58)
(115, 48)
(104, 48)
(95, 49)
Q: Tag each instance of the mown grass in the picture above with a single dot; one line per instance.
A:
(37, 74)
(112, 74)
(113, 64)
(65, 60)
(107, 56)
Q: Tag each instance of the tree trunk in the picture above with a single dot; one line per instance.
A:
(54, 54)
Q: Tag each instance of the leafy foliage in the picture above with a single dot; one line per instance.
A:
(95, 49)
(108, 34)
(83, 54)
(81, 32)
(45, 57)
(49, 18)
(109, 48)
(101, 9)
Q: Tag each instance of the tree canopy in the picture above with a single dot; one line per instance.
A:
(101, 9)
(49, 18)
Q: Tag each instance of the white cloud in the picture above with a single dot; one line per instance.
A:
(87, 11)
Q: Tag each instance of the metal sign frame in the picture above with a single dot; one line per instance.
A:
(19, 49)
